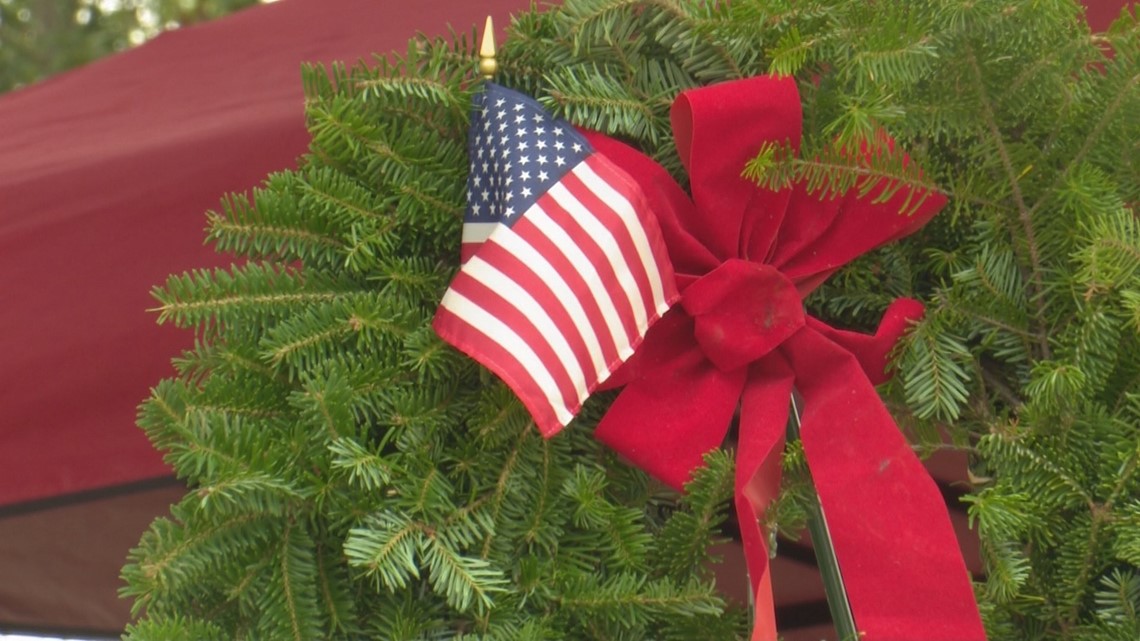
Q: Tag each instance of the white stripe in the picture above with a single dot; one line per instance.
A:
(569, 249)
(509, 240)
(618, 202)
(520, 299)
(500, 333)
(604, 239)
(477, 232)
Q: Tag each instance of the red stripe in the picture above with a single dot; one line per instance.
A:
(475, 344)
(596, 256)
(467, 250)
(625, 243)
(527, 278)
(620, 181)
(497, 306)
(529, 233)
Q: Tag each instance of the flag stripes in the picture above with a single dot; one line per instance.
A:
(533, 272)
(561, 282)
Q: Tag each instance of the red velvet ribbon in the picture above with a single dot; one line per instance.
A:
(745, 257)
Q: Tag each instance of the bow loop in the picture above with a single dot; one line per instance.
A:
(743, 311)
(763, 110)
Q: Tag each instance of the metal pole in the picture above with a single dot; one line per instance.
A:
(825, 550)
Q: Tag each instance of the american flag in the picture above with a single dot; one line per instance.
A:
(563, 266)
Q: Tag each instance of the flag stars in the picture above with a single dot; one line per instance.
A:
(515, 163)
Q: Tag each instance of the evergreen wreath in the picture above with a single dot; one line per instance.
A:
(353, 477)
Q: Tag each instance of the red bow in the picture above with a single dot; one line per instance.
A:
(744, 258)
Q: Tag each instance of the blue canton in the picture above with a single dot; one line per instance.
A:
(518, 151)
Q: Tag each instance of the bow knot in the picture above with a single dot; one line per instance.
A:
(742, 311)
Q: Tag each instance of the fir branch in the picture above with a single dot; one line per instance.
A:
(631, 599)
(264, 236)
(1094, 134)
(371, 471)
(1024, 213)
(588, 98)
(384, 548)
(1080, 582)
(286, 580)
(320, 192)
(540, 512)
(334, 604)
(465, 581)
(834, 171)
(934, 378)
(429, 90)
(201, 297)
(499, 493)
(416, 193)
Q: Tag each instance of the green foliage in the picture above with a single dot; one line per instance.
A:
(354, 477)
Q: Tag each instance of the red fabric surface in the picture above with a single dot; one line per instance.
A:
(1101, 13)
(741, 335)
(105, 174)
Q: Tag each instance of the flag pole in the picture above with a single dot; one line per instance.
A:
(488, 66)
(833, 586)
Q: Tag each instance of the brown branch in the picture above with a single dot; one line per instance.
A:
(1024, 213)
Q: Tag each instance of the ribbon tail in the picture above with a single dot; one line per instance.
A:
(873, 351)
(763, 417)
(901, 565)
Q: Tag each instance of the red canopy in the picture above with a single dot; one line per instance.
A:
(105, 173)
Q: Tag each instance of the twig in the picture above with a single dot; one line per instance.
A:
(1024, 213)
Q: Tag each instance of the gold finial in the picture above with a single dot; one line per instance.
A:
(487, 64)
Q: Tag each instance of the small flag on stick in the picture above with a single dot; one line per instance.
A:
(563, 267)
